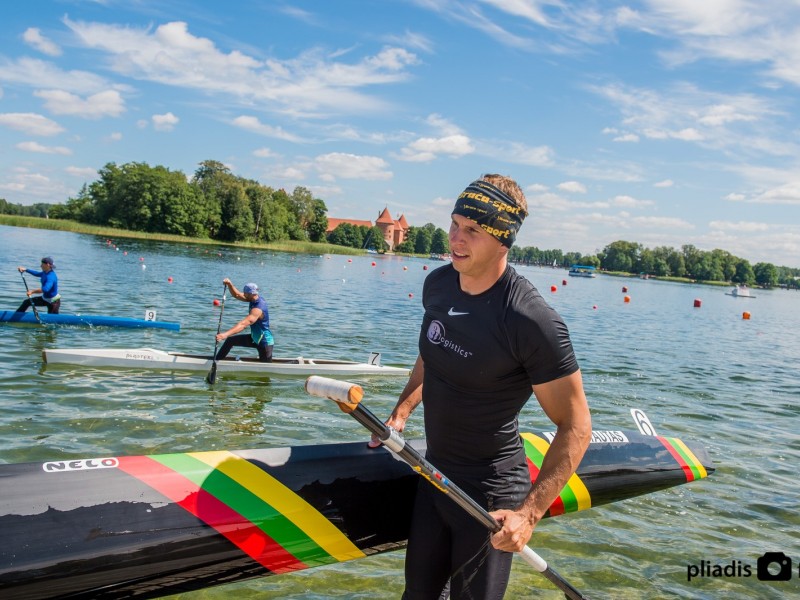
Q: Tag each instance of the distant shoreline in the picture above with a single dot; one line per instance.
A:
(112, 233)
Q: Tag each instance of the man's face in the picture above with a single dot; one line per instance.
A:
(471, 248)
(46, 266)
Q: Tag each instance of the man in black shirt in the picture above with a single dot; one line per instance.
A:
(487, 340)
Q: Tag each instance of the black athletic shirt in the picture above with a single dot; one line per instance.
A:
(482, 354)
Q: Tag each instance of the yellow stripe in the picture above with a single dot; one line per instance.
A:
(695, 463)
(575, 484)
(284, 500)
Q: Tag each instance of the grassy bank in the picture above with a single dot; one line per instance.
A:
(112, 233)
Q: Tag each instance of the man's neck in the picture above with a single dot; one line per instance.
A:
(477, 284)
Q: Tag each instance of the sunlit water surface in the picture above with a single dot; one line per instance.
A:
(703, 374)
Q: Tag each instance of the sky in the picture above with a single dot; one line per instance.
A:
(662, 122)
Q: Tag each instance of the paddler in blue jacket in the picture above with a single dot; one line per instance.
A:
(257, 319)
(48, 288)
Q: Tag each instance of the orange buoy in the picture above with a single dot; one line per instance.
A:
(627, 299)
(553, 288)
(746, 316)
(216, 302)
(697, 303)
(624, 289)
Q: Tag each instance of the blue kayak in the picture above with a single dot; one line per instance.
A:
(9, 316)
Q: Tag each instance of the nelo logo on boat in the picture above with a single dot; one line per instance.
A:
(80, 464)
(771, 566)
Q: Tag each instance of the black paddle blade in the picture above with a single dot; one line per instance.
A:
(212, 374)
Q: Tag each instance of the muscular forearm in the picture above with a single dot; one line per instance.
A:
(411, 395)
(560, 462)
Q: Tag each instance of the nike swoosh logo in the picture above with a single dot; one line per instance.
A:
(453, 313)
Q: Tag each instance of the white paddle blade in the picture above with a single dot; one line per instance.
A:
(333, 389)
(642, 422)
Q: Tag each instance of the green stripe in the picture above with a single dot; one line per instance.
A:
(567, 495)
(231, 493)
(568, 498)
(533, 454)
(689, 460)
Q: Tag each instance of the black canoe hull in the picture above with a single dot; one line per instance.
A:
(144, 527)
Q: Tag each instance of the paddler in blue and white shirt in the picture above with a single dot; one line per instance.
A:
(48, 288)
(257, 319)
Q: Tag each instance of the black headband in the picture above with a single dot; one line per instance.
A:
(492, 209)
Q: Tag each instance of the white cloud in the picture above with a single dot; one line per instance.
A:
(664, 184)
(103, 104)
(339, 165)
(34, 38)
(662, 222)
(733, 197)
(427, 148)
(41, 149)
(256, 126)
(165, 122)
(536, 188)
(788, 193)
(264, 153)
(37, 74)
(572, 187)
(115, 136)
(83, 172)
(627, 138)
(30, 123)
(740, 226)
(630, 202)
(311, 83)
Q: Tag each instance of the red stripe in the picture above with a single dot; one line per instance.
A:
(557, 507)
(248, 537)
(676, 455)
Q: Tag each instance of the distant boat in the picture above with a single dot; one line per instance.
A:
(582, 271)
(740, 291)
(441, 257)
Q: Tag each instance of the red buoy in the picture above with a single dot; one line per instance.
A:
(697, 302)
(746, 316)
(553, 288)
(216, 302)
(169, 279)
(627, 299)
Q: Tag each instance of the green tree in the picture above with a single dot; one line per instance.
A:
(347, 234)
(439, 242)
(422, 243)
(319, 223)
(621, 256)
(766, 274)
(237, 217)
(743, 273)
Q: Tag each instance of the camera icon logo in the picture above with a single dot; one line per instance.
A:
(774, 566)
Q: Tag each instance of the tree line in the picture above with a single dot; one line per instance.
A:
(218, 205)
(688, 262)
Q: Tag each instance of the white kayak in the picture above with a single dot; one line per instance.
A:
(147, 358)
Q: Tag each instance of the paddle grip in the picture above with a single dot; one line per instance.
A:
(347, 395)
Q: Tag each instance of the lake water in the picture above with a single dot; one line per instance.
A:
(703, 374)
